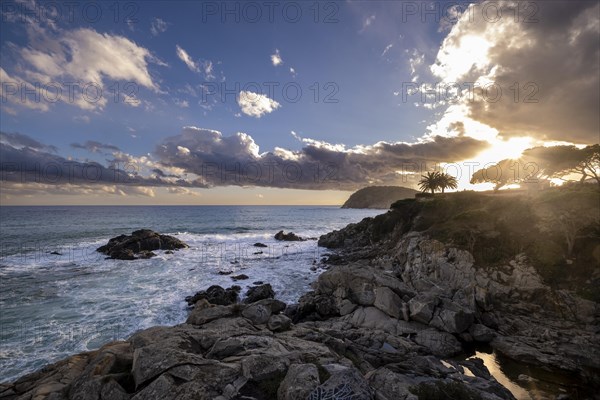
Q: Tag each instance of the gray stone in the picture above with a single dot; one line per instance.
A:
(299, 382)
(257, 314)
(347, 384)
(279, 323)
(388, 302)
(441, 344)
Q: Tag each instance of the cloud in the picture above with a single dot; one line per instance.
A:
(94, 147)
(185, 57)
(276, 58)
(18, 140)
(56, 65)
(219, 160)
(387, 48)
(293, 72)
(158, 26)
(367, 22)
(546, 94)
(255, 104)
(82, 118)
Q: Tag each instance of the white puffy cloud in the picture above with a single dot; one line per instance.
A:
(255, 104)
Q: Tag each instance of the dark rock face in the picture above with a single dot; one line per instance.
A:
(288, 237)
(139, 245)
(216, 295)
(260, 292)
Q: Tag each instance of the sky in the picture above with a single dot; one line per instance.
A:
(188, 102)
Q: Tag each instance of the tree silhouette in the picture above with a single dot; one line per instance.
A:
(435, 180)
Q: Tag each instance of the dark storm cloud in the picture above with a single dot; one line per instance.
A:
(94, 147)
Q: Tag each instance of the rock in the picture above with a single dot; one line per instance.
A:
(260, 245)
(345, 384)
(200, 316)
(314, 306)
(451, 318)
(259, 367)
(279, 323)
(145, 254)
(239, 277)
(346, 307)
(125, 247)
(388, 302)
(276, 306)
(216, 295)
(257, 252)
(421, 309)
(257, 313)
(482, 333)
(299, 382)
(288, 237)
(441, 344)
(56, 253)
(258, 293)
(221, 272)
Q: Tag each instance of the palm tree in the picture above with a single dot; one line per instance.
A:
(446, 181)
(429, 181)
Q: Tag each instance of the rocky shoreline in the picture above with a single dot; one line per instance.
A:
(386, 322)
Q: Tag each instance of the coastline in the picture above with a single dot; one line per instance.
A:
(387, 319)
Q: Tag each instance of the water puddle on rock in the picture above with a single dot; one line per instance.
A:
(528, 382)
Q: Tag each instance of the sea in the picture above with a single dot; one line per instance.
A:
(58, 296)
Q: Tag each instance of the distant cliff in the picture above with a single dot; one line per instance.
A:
(378, 197)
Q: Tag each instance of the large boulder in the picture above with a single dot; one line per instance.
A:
(288, 237)
(441, 344)
(300, 380)
(388, 302)
(139, 245)
(216, 295)
(259, 292)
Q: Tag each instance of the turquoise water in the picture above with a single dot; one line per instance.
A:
(54, 305)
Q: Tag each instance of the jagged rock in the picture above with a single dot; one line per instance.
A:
(388, 302)
(141, 242)
(421, 308)
(441, 344)
(259, 367)
(451, 318)
(239, 277)
(299, 382)
(288, 237)
(260, 292)
(482, 333)
(216, 295)
(260, 245)
(347, 384)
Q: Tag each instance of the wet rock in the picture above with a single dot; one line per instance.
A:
(482, 333)
(288, 237)
(216, 295)
(260, 245)
(260, 292)
(143, 241)
(239, 277)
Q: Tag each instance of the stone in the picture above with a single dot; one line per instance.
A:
(421, 309)
(215, 294)
(258, 367)
(140, 242)
(388, 302)
(260, 245)
(257, 313)
(200, 316)
(288, 237)
(239, 277)
(442, 344)
(260, 292)
(482, 333)
(299, 382)
(279, 323)
(451, 318)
